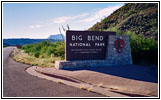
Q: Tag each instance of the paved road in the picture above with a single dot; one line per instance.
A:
(18, 83)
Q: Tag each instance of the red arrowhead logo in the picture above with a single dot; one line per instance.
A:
(119, 45)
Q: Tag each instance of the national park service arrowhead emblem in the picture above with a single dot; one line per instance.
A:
(119, 44)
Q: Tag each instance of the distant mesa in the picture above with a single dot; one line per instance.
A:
(24, 41)
(56, 37)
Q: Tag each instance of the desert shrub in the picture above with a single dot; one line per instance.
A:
(37, 54)
(45, 49)
(144, 50)
(60, 50)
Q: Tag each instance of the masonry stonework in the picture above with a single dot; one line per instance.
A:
(112, 56)
(122, 58)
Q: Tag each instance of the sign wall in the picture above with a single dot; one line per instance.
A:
(86, 45)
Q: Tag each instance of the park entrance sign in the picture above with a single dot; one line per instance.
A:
(86, 45)
(95, 48)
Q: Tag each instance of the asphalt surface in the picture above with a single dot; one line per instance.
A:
(18, 83)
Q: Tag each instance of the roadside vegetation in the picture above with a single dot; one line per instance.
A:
(144, 50)
(43, 54)
(45, 49)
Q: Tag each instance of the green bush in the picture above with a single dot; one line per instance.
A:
(45, 49)
(144, 50)
(37, 54)
(60, 50)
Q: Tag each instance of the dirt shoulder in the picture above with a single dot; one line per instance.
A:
(20, 56)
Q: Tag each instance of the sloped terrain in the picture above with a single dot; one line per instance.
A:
(140, 18)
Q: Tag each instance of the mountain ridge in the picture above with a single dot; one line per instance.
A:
(23, 41)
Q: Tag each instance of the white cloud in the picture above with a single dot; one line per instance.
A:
(61, 19)
(101, 13)
(35, 26)
(64, 19)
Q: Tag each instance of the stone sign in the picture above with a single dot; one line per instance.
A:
(86, 45)
(95, 49)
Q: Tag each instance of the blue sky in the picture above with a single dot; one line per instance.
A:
(39, 20)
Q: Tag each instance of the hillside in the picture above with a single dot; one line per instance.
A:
(140, 18)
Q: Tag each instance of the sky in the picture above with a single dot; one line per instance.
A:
(40, 20)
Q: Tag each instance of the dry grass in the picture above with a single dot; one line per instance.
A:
(100, 85)
(82, 87)
(20, 56)
(59, 81)
(113, 88)
(106, 95)
(89, 89)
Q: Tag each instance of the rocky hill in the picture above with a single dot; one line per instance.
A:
(140, 18)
